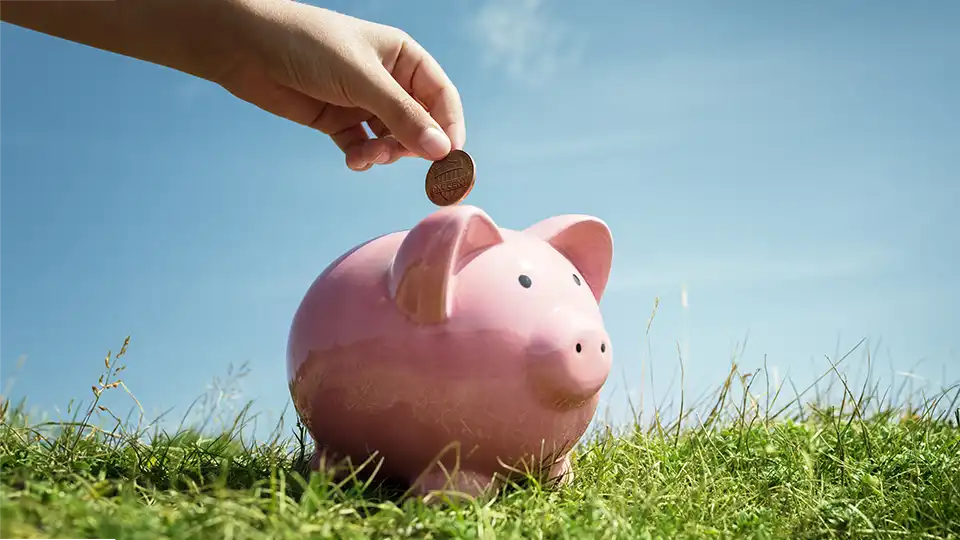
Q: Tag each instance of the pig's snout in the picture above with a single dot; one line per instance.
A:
(569, 359)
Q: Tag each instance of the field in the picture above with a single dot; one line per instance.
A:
(741, 464)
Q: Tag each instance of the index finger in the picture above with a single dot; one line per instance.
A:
(421, 75)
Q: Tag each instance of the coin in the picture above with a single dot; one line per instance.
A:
(450, 179)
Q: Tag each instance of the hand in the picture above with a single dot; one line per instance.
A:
(316, 67)
(334, 73)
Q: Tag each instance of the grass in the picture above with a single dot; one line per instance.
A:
(735, 465)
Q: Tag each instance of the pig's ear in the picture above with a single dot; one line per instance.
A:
(584, 240)
(423, 275)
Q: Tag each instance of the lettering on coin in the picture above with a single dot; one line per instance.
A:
(450, 179)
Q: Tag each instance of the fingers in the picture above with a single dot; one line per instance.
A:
(343, 124)
(353, 142)
(332, 119)
(420, 75)
(414, 105)
(381, 131)
(408, 105)
(407, 120)
(361, 152)
(413, 96)
(345, 127)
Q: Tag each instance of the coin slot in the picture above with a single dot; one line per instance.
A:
(525, 281)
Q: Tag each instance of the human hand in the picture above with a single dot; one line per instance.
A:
(333, 73)
(316, 67)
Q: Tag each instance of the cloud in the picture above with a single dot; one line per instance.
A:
(523, 40)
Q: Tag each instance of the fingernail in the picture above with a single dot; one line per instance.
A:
(382, 157)
(434, 143)
(358, 165)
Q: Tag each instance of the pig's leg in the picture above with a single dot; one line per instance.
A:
(315, 461)
(561, 472)
(336, 463)
(470, 483)
(324, 458)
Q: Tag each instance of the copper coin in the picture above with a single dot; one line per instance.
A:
(450, 179)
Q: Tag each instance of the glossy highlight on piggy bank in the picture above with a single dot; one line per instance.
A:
(457, 350)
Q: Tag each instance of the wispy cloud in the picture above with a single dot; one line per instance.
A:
(523, 39)
(647, 104)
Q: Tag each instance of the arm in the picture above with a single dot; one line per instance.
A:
(337, 74)
(200, 37)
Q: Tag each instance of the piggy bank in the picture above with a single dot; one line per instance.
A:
(457, 354)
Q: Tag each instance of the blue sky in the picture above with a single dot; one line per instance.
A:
(792, 165)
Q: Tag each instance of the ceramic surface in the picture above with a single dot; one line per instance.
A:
(456, 342)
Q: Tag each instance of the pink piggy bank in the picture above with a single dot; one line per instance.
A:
(461, 353)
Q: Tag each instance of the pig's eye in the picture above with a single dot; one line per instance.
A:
(525, 281)
(576, 280)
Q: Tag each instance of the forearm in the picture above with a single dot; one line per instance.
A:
(200, 37)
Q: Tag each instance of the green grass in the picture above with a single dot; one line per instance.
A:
(740, 466)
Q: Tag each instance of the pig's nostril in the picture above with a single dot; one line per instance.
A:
(603, 347)
(579, 348)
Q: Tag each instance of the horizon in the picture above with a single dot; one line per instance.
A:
(783, 175)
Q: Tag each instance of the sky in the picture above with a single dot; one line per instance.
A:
(782, 176)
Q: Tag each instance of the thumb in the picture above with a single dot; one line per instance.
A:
(404, 116)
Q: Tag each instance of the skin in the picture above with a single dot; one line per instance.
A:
(325, 70)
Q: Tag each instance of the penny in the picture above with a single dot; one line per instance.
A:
(450, 179)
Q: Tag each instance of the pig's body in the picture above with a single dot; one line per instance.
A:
(426, 345)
